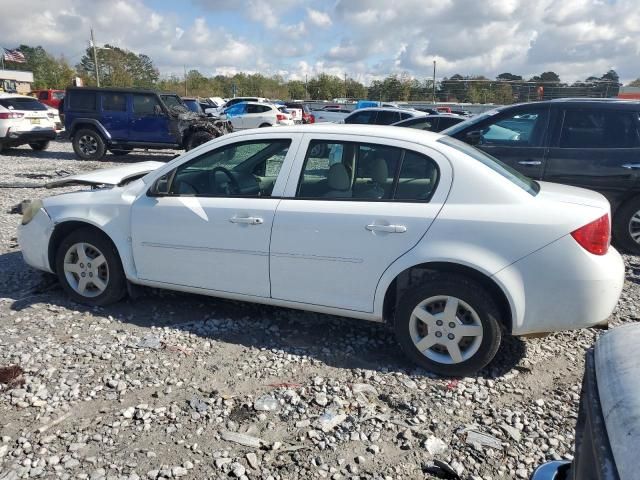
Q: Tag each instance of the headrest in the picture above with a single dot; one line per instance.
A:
(338, 177)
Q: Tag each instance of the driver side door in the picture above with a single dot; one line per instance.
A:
(211, 228)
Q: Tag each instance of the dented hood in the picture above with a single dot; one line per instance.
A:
(108, 176)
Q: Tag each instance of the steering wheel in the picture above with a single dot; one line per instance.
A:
(232, 180)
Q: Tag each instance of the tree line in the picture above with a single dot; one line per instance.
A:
(119, 67)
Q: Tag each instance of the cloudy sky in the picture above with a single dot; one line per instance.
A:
(366, 39)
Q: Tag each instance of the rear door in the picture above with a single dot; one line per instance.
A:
(258, 115)
(149, 122)
(517, 137)
(350, 212)
(387, 117)
(596, 148)
(115, 117)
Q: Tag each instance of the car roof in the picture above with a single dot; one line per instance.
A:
(427, 117)
(381, 131)
(413, 111)
(117, 89)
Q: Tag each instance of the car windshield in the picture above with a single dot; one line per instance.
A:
(472, 121)
(58, 95)
(172, 101)
(192, 105)
(22, 103)
(530, 186)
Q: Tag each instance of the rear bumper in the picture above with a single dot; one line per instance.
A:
(40, 135)
(562, 287)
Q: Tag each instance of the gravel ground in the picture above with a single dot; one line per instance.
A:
(174, 385)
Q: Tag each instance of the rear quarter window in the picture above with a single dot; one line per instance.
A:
(81, 101)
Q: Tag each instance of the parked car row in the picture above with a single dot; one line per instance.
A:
(25, 121)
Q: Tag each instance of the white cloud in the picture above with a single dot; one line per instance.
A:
(368, 39)
(318, 18)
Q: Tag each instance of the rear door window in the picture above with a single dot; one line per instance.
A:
(591, 128)
(366, 116)
(81, 101)
(387, 117)
(114, 102)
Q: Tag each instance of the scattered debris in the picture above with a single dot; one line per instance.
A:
(441, 470)
(266, 403)
(330, 420)
(242, 439)
(150, 341)
(434, 445)
(479, 439)
(198, 404)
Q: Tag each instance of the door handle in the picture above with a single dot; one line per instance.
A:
(530, 162)
(631, 166)
(247, 220)
(386, 228)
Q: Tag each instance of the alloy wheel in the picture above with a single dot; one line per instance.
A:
(634, 227)
(88, 144)
(86, 269)
(446, 329)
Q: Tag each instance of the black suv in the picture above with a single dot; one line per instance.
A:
(589, 143)
(121, 119)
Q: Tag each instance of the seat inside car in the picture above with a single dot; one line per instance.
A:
(338, 181)
(376, 188)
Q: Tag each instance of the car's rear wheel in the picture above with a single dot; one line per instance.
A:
(626, 226)
(89, 268)
(449, 325)
(39, 146)
(198, 138)
(88, 144)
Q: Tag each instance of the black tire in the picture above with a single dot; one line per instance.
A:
(116, 286)
(90, 138)
(622, 226)
(119, 151)
(264, 125)
(1, 147)
(39, 146)
(475, 297)
(198, 138)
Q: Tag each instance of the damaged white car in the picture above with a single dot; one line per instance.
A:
(449, 245)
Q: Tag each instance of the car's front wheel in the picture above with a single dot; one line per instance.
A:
(89, 268)
(88, 144)
(626, 226)
(449, 325)
(39, 146)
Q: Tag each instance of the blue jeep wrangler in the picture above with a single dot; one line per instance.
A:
(121, 119)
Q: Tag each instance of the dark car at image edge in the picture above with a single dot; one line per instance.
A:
(588, 143)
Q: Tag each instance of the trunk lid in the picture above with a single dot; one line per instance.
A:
(566, 194)
(108, 176)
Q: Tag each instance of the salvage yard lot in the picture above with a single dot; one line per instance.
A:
(157, 387)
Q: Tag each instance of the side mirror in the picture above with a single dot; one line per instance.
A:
(161, 186)
(474, 137)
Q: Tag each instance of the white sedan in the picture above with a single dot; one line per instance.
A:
(445, 243)
(256, 115)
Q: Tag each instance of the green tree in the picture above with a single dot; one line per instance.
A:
(509, 76)
(634, 83)
(48, 71)
(118, 68)
(296, 89)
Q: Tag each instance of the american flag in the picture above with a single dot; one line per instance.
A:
(14, 56)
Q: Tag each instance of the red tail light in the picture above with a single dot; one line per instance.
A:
(7, 115)
(281, 116)
(312, 118)
(594, 237)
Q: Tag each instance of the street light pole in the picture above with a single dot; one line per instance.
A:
(95, 58)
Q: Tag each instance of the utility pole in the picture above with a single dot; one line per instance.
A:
(95, 58)
(185, 79)
(345, 85)
(306, 89)
(434, 83)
